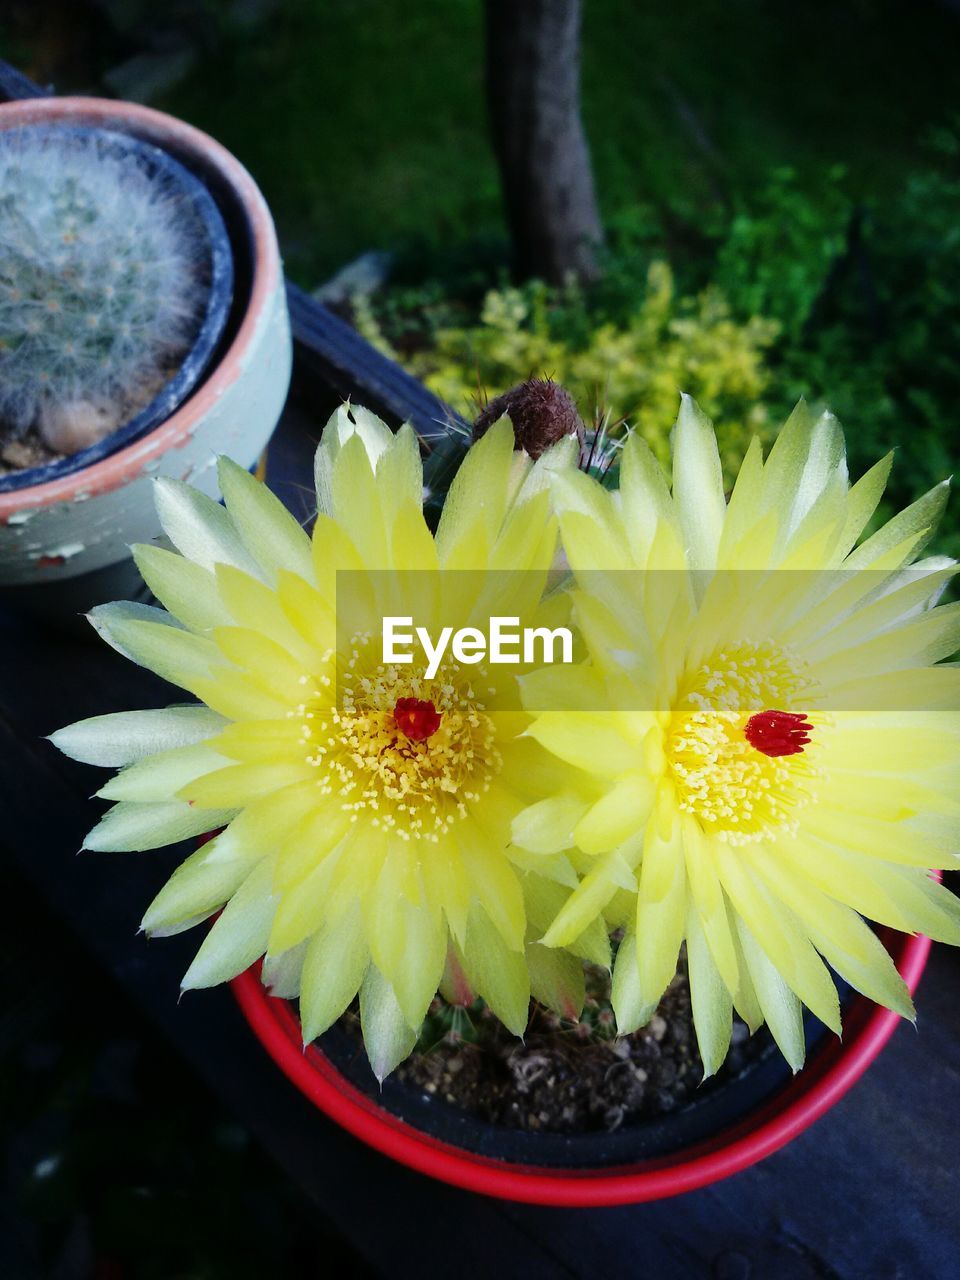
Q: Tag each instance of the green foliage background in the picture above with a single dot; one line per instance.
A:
(779, 185)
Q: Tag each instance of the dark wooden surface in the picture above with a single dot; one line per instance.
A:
(871, 1191)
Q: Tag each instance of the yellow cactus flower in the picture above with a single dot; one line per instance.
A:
(366, 807)
(765, 730)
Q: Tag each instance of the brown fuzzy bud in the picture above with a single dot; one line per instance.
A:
(542, 412)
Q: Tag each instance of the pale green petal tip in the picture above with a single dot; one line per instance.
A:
(160, 930)
(386, 1036)
(497, 440)
(196, 979)
(227, 467)
(713, 1055)
(690, 417)
(97, 839)
(710, 1069)
(628, 1022)
(62, 739)
(350, 420)
(795, 1065)
(554, 937)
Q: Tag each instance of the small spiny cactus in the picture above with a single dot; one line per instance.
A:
(542, 412)
(103, 280)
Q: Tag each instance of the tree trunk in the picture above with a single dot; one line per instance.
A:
(533, 93)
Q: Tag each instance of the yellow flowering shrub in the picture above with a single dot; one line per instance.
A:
(635, 367)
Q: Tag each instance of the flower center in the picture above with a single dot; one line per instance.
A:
(409, 752)
(417, 718)
(778, 733)
(738, 767)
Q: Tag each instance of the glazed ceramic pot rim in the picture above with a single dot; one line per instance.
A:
(156, 126)
(821, 1083)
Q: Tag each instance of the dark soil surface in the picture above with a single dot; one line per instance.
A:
(570, 1077)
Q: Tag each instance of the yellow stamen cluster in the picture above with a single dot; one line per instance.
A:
(737, 792)
(415, 789)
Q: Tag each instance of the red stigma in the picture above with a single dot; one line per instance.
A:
(778, 733)
(416, 718)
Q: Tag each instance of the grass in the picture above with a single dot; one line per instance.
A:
(363, 120)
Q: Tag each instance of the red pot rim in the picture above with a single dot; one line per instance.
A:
(823, 1081)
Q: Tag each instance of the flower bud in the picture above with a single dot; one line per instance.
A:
(542, 412)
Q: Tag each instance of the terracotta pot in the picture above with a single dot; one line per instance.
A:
(772, 1120)
(71, 531)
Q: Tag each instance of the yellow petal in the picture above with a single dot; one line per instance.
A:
(387, 1036)
(710, 901)
(662, 905)
(238, 784)
(548, 825)
(589, 740)
(709, 998)
(196, 889)
(617, 815)
(270, 534)
(781, 1009)
(494, 882)
(161, 776)
(840, 935)
(185, 588)
(333, 970)
(698, 485)
(239, 936)
(496, 972)
(265, 662)
(785, 943)
(614, 870)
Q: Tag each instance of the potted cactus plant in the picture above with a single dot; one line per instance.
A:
(640, 852)
(142, 327)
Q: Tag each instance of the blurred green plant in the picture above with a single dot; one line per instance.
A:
(803, 291)
(633, 364)
(778, 252)
(868, 301)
